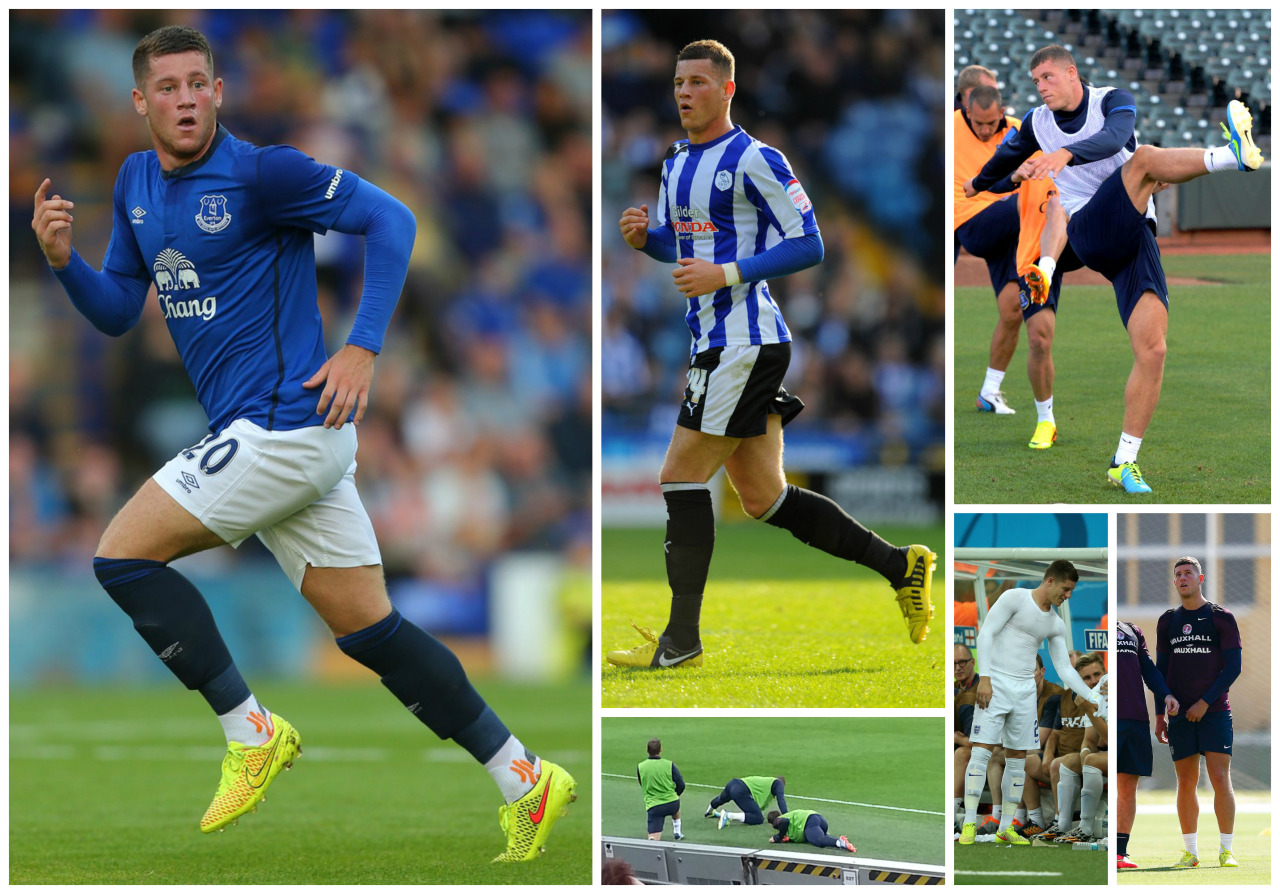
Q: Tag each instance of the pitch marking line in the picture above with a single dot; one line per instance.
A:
(717, 788)
(1020, 873)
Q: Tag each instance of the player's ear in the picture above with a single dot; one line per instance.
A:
(729, 89)
(217, 93)
(139, 102)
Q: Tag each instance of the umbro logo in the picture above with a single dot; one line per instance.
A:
(138, 214)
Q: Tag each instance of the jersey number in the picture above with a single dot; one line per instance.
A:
(216, 457)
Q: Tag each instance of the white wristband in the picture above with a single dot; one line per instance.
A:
(732, 275)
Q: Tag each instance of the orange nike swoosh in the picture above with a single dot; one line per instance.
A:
(261, 775)
(536, 815)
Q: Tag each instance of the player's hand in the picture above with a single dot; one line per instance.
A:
(1023, 173)
(1196, 711)
(983, 692)
(1171, 706)
(635, 226)
(696, 277)
(1162, 730)
(347, 377)
(1160, 186)
(52, 223)
(969, 191)
(1049, 165)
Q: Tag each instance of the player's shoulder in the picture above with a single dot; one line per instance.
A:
(1013, 122)
(675, 149)
(1221, 611)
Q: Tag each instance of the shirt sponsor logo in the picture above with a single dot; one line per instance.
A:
(795, 192)
(333, 185)
(724, 180)
(213, 216)
(174, 272)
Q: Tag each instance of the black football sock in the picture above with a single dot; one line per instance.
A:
(171, 615)
(819, 522)
(1122, 843)
(691, 537)
(429, 680)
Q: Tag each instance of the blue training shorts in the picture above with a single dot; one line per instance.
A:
(1134, 752)
(992, 234)
(1211, 733)
(1115, 239)
(659, 812)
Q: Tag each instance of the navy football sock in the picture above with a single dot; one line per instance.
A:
(429, 680)
(819, 521)
(691, 538)
(1122, 844)
(171, 615)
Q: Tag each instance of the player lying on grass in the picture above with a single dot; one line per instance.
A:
(731, 215)
(805, 826)
(1133, 759)
(752, 794)
(1006, 696)
(662, 784)
(225, 230)
(1106, 182)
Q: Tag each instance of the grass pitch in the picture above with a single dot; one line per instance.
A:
(1210, 439)
(1156, 843)
(107, 787)
(876, 780)
(993, 863)
(783, 625)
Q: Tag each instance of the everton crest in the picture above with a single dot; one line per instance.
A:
(213, 215)
(724, 180)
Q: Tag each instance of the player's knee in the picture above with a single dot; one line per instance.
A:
(1040, 341)
(757, 498)
(1142, 158)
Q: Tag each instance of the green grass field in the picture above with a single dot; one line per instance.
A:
(1156, 842)
(876, 780)
(1210, 439)
(107, 787)
(1050, 864)
(783, 625)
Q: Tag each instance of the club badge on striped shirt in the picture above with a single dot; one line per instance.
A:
(724, 180)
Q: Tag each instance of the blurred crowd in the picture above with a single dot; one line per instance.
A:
(854, 99)
(478, 440)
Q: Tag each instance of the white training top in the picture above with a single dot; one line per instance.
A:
(1011, 636)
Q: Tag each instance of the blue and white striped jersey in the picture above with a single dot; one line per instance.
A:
(727, 200)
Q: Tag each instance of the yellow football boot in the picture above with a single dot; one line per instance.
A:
(247, 771)
(655, 652)
(913, 598)
(529, 820)
(968, 832)
(1046, 433)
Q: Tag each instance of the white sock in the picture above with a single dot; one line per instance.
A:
(736, 815)
(975, 779)
(675, 826)
(1036, 817)
(1044, 410)
(1047, 264)
(1127, 452)
(1220, 158)
(1014, 779)
(1226, 840)
(1068, 785)
(1189, 842)
(247, 723)
(515, 769)
(997, 812)
(957, 805)
(1090, 795)
(1021, 815)
(991, 384)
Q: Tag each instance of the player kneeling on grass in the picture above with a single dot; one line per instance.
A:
(752, 794)
(662, 784)
(805, 825)
(225, 232)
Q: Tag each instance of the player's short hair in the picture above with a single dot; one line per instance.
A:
(1189, 560)
(1052, 53)
(1039, 662)
(167, 41)
(714, 52)
(972, 76)
(616, 872)
(985, 96)
(772, 817)
(783, 780)
(655, 747)
(1087, 659)
(1060, 570)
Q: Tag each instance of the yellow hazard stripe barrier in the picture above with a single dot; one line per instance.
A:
(802, 868)
(903, 878)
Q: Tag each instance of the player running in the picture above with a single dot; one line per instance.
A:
(1106, 182)
(752, 794)
(225, 232)
(731, 215)
(662, 784)
(1198, 651)
(807, 826)
(1006, 714)
(1133, 668)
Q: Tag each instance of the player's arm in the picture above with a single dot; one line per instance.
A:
(1231, 665)
(657, 242)
(998, 616)
(1121, 117)
(779, 795)
(1165, 703)
(677, 779)
(781, 835)
(1017, 146)
(1062, 664)
(109, 299)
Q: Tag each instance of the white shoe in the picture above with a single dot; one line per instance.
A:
(724, 818)
(994, 402)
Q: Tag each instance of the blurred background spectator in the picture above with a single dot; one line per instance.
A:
(855, 100)
(477, 446)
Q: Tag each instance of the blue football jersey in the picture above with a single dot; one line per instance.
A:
(229, 243)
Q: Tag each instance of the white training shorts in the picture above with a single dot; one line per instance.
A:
(295, 489)
(1010, 718)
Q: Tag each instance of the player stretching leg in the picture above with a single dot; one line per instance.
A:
(1106, 183)
(1198, 651)
(724, 196)
(225, 231)
(1006, 695)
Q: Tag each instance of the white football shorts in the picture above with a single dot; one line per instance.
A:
(1010, 718)
(295, 489)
